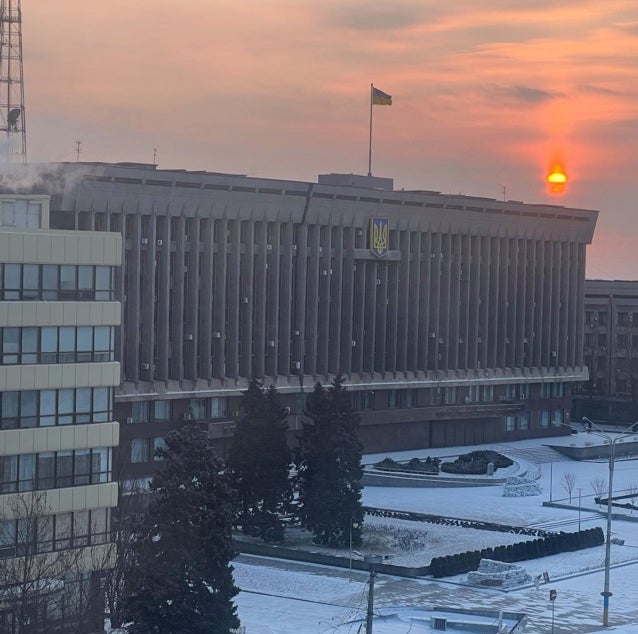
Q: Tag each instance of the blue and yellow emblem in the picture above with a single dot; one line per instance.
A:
(379, 236)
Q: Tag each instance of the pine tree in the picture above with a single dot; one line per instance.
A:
(329, 467)
(260, 462)
(182, 582)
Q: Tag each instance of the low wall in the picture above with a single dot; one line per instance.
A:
(597, 450)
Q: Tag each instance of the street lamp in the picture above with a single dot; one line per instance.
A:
(353, 524)
(592, 428)
(579, 495)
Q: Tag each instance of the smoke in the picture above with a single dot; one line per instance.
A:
(36, 178)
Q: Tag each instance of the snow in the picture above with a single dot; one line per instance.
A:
(287, 597)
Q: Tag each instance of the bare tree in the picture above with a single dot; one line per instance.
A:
(568, 482)
(33, 573)
(599, 486)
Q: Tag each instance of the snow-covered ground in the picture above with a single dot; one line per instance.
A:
(282, 597)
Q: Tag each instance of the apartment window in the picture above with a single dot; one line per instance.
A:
(159, 444)
(589, 340)
(510, 423)
(473, 394)
(546, 390)
(218, 407)
(54, 532)
(21, 213)
(488, 393)
(54, 282)
(622, 341)
(558, 416)
(161, 410)
(409, 399)
(589, 317)
(510, 392)
(450, 395)
(602, 340)
(622, 319)
(393, 399)
(545, 418)
(139, 450)
(46, 408)
(602, 318)
(54, 469)
(198, 407)
(558, 390)
(367, 399)
(53, 344)
(523, 392)
(140, 411)
(523, 421)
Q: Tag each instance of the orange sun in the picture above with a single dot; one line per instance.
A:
(557, 179)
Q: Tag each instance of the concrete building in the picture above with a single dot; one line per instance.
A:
(456, 320)
(610, 352)
(58, 316)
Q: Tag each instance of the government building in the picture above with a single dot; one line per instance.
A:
(58, 374)
(456, 320)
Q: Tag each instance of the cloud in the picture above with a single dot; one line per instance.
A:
(362, 15)
(524, 94)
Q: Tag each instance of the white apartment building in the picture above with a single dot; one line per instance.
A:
(58, 372)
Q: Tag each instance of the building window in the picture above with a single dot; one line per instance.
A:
(545, 418)
(450, 395)
(622, 341)
(47, 408)
(602, 318)
(140, 411)
(218, 407)
(622, 319)
(546, 390)
(198, 407)
(54, 282)
(510, 423)
(473, 394)
(159, 444)
(510, 392)
(558, 390)
(367, 399)
(409, 399)
(161, 410)
(54, 532)
(488, 393)
(558, 416)
(139, 450)
(393, 399)
(523, 421)
(54, 469)
(53, 344)
(523, 391)
(602, 340)
(21, 213)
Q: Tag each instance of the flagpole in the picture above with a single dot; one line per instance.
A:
(370, 145)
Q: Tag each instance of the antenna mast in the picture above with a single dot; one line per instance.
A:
(12, 112)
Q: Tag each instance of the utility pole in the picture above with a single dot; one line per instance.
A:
(372, 561)
(77, 151)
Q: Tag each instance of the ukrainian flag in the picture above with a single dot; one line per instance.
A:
(379, 98)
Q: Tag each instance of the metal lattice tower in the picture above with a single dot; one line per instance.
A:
(12, 112)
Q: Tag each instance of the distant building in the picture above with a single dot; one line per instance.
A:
(610, 352)
(58, 316)
(456, 320)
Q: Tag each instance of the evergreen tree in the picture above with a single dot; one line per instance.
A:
(329, 467)
(260, 460)
(182, 582)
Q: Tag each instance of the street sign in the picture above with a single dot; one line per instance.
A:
(552, 595)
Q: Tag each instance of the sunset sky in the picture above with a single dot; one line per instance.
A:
(486, 95)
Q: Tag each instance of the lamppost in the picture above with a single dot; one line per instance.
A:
(372, 561)
(353, 524)
(592, 428)
(579, 494)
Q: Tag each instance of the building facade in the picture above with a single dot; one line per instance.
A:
(610, 352)
(455, 320)
(58, 316)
